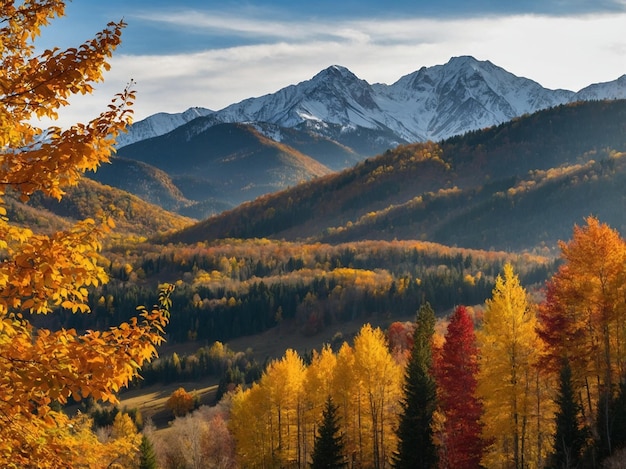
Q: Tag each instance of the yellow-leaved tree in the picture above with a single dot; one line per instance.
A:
(43, 273)
(518, 411)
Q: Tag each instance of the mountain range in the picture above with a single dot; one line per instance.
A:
(432, 103)
(202, 162)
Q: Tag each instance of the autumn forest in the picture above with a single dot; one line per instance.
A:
(387, 351)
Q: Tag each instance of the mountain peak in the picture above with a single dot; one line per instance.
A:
(467, 63)
(335, 72)
(432, 103)
(462, 60)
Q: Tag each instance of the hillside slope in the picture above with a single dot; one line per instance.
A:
(232, 162)
(88, 199)
(452, 192)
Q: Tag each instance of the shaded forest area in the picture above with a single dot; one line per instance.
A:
(463, 191)
(230, 289)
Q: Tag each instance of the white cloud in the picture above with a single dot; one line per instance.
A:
(567, 53)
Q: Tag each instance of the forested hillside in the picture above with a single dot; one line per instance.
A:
(226, 163)
(235, 288)
(566, 161)
(89, 199)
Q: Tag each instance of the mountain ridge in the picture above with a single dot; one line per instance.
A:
(419, 106)
(228, 162)
(335, 120)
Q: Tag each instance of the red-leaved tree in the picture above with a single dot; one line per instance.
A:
(456, 372)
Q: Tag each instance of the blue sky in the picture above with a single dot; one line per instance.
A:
(211, 54)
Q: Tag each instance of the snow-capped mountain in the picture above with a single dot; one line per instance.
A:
(464, 94)
(610, 90)
(333, 96)
(159, 124)
(432, 103)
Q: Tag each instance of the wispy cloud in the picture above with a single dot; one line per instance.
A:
(558, 52)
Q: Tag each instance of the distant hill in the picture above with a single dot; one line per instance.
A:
(520, 185)
(132, 215)
(226, 163)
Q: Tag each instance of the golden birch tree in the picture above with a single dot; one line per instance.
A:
(251, 426)
(318, 385)
(347, 396)
(380, 381)
(268, 419)
(284, 379)
(516, 411)
(42, 273)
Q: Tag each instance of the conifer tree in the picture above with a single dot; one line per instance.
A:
(570, 437)
(147, 456)
(618, 423)
(614, 421)
(328, 452)
(416, 448)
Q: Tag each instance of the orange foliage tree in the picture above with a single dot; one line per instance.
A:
(584, 314)
(42, 273)
(181, 402)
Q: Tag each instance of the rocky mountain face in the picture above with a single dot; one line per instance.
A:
(432, 103)
(219, 159)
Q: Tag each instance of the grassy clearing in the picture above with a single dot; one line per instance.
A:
(151, 401)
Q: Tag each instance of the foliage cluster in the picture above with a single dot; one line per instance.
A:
(43, 368)
(197, 440)
(233, 368)
(233, 288)
(274, 422)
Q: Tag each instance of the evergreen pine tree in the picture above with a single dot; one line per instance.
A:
(147, 456)
(329, 447)
(569, 438)
(416, 449)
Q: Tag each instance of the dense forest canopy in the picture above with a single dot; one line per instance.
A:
(234, 288)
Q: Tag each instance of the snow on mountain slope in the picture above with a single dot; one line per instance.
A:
(610, 90)
(334, 96)
(464, 94)
(432, 103)
(159, 124)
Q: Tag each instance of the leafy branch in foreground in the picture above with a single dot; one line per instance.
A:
(40, 274)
